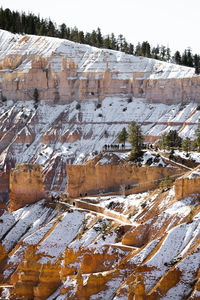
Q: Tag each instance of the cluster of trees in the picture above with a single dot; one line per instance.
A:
(188, 59)
(172, 140)
(169, 141)
(135, 138)
(31, 24)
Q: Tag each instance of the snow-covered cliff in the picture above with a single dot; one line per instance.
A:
(86, 58)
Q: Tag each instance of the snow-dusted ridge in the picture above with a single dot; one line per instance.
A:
(87, 58)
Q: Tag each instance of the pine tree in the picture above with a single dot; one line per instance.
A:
(131, 48)
(155, 52)
(186, 145)
(138, 50)
(197, 63)
(62, 31)
(163, 53)
(197, 133)
(120, 42)
(135, 139)
(99, 38)
(189, 58)
(74, 34)
(36, 95)
(88, 38)
(168, 54)
(113, 42)
(93, 38)
(177, 57)
(123, 136)
(146, 49)
(171, 140)
(81, 37)
(107, 42)
(198, 143)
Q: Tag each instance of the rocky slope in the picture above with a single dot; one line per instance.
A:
(86, 96)
(55, 135)
(50, 251)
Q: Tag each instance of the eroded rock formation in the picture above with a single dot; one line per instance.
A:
(26, 185)
(80, 253)
(66, 71)
(188, 184)
(98, 176)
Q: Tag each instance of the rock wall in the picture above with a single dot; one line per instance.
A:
(188, 184)
(91, 179)
(64, 86)
(185, 187)
(173, 90)
(26, 185)
(68, 83)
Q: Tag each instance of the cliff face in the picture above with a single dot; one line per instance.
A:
(26, 185)
(188, 184)
(96, 177)
(64, 71)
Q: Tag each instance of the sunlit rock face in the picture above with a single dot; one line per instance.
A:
(106, 173)
(64, 71)
(26, 185)
(188, 184)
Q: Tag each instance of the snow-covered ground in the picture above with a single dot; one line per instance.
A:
(87, 58)
(58, 124)
(195, 156)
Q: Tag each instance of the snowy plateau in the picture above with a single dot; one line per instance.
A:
(140, 246)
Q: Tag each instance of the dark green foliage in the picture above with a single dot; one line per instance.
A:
(197, 63)
(123, 136)
(31, 24)
(78, 106)
(186, 145)
(135, 135)
(3, 98)
(36, 95)
(171, 140)
(197, 133)
(135, 155)
(135, 138)
(98, 105)
(146, 49)
(130, 100)
(166, 183)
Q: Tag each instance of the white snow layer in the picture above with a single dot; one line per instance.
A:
(87, 58)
